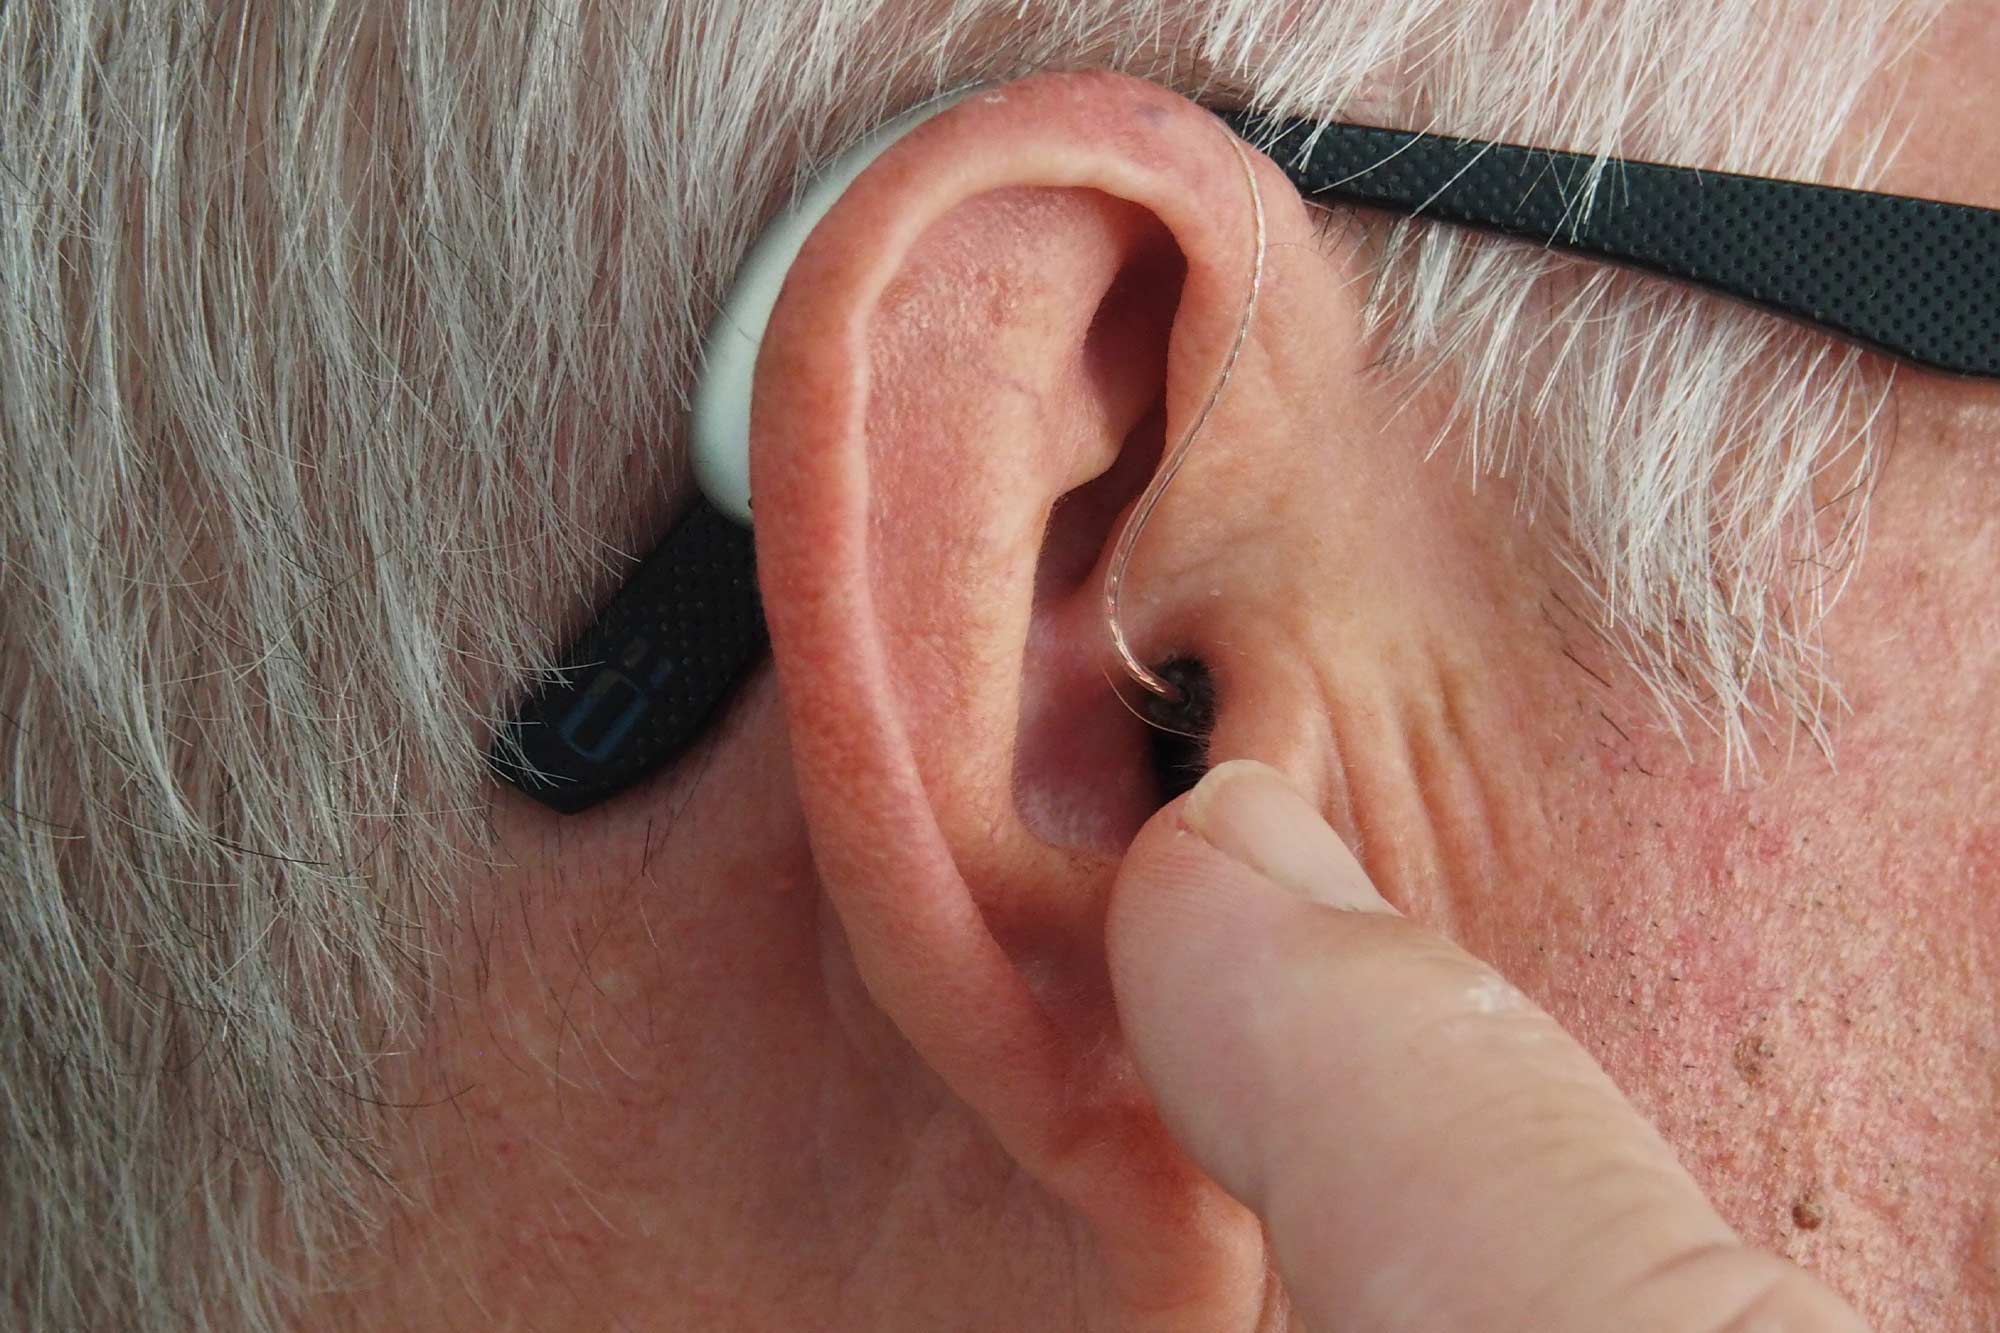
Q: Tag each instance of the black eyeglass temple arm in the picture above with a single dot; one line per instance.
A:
(1915, 278)
(646, 680)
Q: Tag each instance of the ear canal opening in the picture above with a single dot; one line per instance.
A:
(1182, 725)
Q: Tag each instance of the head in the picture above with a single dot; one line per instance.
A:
(349, 360)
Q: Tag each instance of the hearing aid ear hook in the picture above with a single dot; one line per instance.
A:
(1121, 558)
(719, 418)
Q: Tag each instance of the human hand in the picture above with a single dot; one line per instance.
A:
(1427, 1148)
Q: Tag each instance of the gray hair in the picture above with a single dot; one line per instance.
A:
(337, 337)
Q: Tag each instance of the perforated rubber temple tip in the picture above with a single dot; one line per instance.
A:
(648, 676)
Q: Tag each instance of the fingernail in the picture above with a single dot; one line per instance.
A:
(1249, 813)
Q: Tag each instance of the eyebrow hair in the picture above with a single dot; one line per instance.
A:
(1916, 279)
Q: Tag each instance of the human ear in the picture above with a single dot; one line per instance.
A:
(966, 382)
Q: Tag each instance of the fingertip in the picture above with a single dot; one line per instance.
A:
(1191, 941)
(1253, 814)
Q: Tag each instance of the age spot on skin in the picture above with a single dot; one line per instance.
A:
(1753, 1057)
(1809, 1213)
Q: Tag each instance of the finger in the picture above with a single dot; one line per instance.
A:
(1428, 1149)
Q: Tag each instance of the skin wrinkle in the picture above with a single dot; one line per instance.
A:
(1450, 778)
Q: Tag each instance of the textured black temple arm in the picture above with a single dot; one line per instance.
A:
(1912, 277)
(647, 677)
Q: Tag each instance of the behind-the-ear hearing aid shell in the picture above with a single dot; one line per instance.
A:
(719, 422)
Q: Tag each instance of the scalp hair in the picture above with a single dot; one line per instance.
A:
(337, 338)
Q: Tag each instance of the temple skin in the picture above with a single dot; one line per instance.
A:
(813, 1032)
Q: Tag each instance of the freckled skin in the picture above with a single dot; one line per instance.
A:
(1795, 979)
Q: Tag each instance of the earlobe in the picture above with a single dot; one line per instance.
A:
(965, 383)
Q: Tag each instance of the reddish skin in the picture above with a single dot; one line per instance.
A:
(676, 1104)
